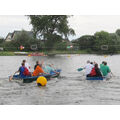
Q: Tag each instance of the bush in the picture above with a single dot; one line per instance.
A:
(9, 46)
(61, 46)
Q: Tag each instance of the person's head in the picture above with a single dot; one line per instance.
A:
(24, 61)
(37, 62)
(105, 63)
(96, 65)
(91, 63)
(23, 64)
(88, 61)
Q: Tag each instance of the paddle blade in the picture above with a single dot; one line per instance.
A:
(80, 69)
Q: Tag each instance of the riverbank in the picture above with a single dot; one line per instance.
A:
(7, 53)
(21, 53)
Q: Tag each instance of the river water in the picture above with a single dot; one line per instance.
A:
(70, 88)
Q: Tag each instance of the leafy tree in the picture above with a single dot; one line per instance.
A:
(104, 38)
(61, 46)
(118, 32)
(115, 41)
(2, 40)
(86, 42)
(9, 46)
(23, 39)
(50, 27)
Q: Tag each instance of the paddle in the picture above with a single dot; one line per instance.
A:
(80, 69)
(11, 77)
(112, 74)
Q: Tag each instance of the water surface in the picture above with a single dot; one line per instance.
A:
(70, 88)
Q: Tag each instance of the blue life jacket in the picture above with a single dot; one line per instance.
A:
(22, 69)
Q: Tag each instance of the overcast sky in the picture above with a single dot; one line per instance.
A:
(81, 24)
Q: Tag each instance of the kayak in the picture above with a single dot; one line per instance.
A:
(36, 54)
(94, 78)
(28, 79)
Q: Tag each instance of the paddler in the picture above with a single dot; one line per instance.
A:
(102, 64)
(97, 70)
(38, 70)
(106, 72)
(88, 68)
(26, 65)
(23, 72)
(48, 69)
(38, 63)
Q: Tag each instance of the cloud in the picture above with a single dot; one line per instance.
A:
(13, 22)
(90, 24)
(82, 24)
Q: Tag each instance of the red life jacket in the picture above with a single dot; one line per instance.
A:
(93, 72)
(26, 72)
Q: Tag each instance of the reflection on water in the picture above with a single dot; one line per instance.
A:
(70, 88)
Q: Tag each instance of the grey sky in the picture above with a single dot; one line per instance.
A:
(81, 24)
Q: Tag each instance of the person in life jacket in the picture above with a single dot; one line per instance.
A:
(26, 65)
(95, 72)
(38, 63)
(23, 72)
(38, 70)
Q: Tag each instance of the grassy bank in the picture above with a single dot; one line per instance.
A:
(8, 53)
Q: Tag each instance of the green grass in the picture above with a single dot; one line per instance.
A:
(6, 53)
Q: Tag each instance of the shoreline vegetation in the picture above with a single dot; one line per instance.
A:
(20, 53)
(46, 53)
(50, 35)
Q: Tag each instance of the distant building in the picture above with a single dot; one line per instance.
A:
(11, 36)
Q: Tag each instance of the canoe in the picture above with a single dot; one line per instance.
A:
(34, 78)
(94, 78)
(36, 54)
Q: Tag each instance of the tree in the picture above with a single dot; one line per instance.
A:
(50, 27)
(86, 42)
(118, 32)
(104, 38)
(1, 40)
(24, 39)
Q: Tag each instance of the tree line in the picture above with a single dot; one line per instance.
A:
(100, 42)
(49, 31)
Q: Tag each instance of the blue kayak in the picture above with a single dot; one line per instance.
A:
(94, 78)
(29, 79)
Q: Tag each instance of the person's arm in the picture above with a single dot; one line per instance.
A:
(109, 70)
(17, 71)
(41, 71)
(55, 72)
(34, 67)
